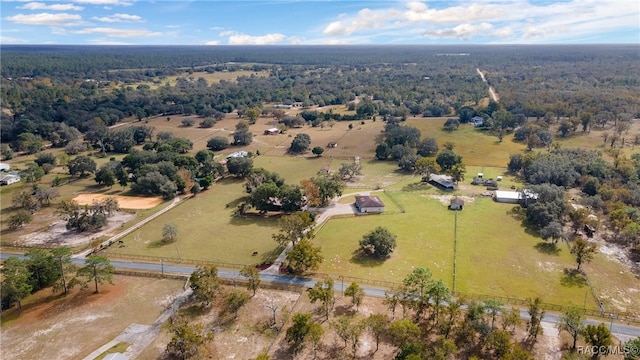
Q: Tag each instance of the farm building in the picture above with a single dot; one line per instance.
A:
(9, 179)
(4, 167)
(456, 204)
(509, 197)
(369, 204)
(272, 131)
(444, 182)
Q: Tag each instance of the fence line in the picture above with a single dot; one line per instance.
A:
(166, 260)
(394, 201)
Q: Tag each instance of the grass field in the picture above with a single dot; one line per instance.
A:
(477, 147)
(509, 262)
(212, 78)
(422, 240)
(207, 230)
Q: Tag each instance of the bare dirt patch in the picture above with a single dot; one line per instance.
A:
(446, 199)
(72, 326)
(125, 202)
(58, 235)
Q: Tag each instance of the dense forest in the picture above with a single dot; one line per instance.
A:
(89, 87)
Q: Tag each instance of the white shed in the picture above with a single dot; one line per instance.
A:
(510, 197)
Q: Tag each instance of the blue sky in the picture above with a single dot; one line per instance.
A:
(161, 22)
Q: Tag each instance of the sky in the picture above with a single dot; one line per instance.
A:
(323, 22)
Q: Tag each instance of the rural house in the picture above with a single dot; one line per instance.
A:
(9, 179)
(369, 204)
(272, 131)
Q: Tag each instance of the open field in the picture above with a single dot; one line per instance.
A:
(518, 264)
(207, 230)
(491, 240)
(49, 321)
(420, 243)
(211, 78)
(477, 147)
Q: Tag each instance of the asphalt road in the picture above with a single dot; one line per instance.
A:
(621, 331)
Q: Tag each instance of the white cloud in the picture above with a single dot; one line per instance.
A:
(243, 39)
(216, 28)
(512, 19)
(172, 26)
(54, 7)
(104, 2)
(116, 18)
(462, 31)
(213, 42)
(227, 33)
(119, 33)
(47, 19)
(366, 19)
(419, 12)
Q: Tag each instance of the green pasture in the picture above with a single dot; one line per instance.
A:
(424, 239)
(207, 230)
(477, 147)
(293, 168)
(495, 255)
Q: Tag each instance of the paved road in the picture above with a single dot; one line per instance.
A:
(621, 331)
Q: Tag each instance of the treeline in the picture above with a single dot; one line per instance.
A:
(53, 268)
(607, 188)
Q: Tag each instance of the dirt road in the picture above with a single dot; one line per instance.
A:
(492, 91)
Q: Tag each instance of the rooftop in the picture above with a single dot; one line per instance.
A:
(369, 201)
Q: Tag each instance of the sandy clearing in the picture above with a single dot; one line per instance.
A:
(125, 202)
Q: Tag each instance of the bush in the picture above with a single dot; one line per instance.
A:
(218, 143)
(207, 123)
(188, 122)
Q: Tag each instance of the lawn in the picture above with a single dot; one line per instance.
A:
(477, 147)
(207, 230)
(509, 263)
(419, 242)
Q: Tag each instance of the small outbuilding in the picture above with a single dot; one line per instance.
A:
(272, 131)
(369, 204)
(238, 154)
(332, 144)
(4, 167)
(477, 121)
(456, 204)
